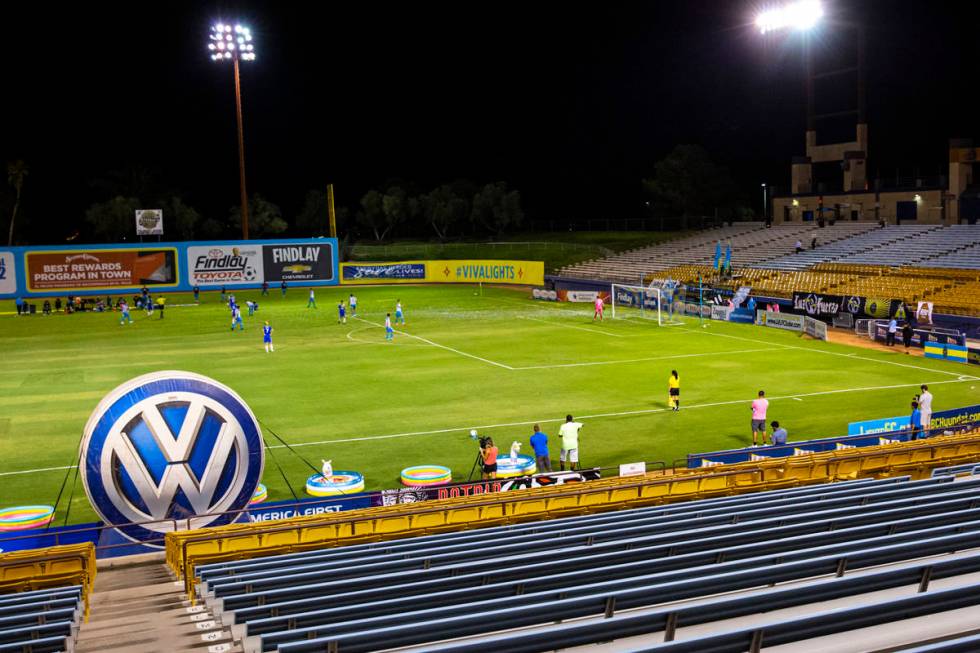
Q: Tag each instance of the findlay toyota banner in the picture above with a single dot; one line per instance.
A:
(95, 269)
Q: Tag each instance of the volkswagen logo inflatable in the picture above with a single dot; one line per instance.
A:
(170, 445)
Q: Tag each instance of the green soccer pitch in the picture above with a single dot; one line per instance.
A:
(496, 361)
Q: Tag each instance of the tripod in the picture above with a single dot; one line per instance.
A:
(477, 462)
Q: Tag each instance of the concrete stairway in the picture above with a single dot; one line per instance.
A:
(138, 606)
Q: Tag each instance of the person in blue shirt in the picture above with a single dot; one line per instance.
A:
(197, 294)
(915, 422)
(124, 308)
(779, 435)
(539, 442)
(341, 313)
(236, 318)
(252, 307)
(267, 338)
(312, 300)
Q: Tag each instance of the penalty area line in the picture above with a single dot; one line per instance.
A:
(573, 326)
(641, 360)
(436, 344)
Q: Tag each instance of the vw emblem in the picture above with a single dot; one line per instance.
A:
(170, 445)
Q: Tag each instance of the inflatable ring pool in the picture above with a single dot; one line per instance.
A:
(22, 518)
(260, 495)
(523, 465)
(426, 475)
(337, 485)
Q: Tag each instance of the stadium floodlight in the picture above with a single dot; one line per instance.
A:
(801, 16)
(234, 43)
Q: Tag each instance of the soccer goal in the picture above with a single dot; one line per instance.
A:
(653, 302)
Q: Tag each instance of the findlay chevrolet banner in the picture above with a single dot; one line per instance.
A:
(529, 273)
(95, 269)
(238, 264)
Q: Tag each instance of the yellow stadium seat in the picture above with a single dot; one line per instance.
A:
(657, 490)
(318, 533)
(463, 515)
(529, 507)
(392, 524)
(561, 503)
(624, 494)
(685, 486)
(846, 469)
(435, 519)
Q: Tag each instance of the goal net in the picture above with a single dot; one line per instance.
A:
(653, 302)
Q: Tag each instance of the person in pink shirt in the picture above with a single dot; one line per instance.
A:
(598, 308)
(759, 408)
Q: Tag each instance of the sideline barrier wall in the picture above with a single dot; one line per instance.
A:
(530, 273)
(60, 270)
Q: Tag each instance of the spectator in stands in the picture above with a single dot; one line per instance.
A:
(799, 245)
(813, 243)
(759, 408)
(489, 453)
(915, 422)
(674, 391)
(779, 435)
(907, 333)
(539, 442)
(569, 443)
(925, 410)
(892, 330)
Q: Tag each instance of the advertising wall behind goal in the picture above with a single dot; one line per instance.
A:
(99, 269)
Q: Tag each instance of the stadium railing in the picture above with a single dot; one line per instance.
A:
(699, 569)
(59, 566)
(186, 550)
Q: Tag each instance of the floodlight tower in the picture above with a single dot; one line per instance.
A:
(234, 43)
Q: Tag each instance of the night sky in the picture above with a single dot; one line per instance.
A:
(571, 104)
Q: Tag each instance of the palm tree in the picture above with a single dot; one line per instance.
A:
(16, 172)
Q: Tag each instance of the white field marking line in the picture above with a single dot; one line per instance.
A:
(836, 353)
(640, 360)
(436, 344)
(626, 413)
(350, 336)
(571, 326)
(645, 411)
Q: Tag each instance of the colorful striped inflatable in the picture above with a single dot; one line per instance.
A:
(260, 495)
(523, 465)
(22, 518)
(426, 475)
(339, 484)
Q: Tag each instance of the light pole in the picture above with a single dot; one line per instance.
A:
(234, 43)
(765, 203)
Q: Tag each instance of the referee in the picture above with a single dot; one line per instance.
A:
(674, 391)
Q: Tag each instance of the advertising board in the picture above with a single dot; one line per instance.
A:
(101, 269)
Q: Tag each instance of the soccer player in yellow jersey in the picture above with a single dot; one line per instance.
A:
(674, 391)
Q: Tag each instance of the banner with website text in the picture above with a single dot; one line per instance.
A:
(525, 273)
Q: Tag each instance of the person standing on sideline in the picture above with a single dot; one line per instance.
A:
(352, 302)
(779, 435)
(925, 410)
(341, 313)
(759, 408)
(389, 332)
(674, 391)
(907, 333)
(489, 454)
(399, 314)
(312, 300)
(267, 338)
(282, 287)
(598, 308)
(197, 294)
(892, 330)
(265, 287)
(223, 299)
(124, 308)
(539, 442)
(915, 422)
(569, 443)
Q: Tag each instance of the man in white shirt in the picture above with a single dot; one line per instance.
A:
(892, 330)
(925, 409)
(569, 443)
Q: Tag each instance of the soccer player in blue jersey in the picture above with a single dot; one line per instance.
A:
(267, 338)
(341, 313)
(399, 314)
(252, 307)
(124, 307)
(389, 332)
(236, 318)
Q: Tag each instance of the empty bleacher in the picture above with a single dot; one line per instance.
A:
(650, 574)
